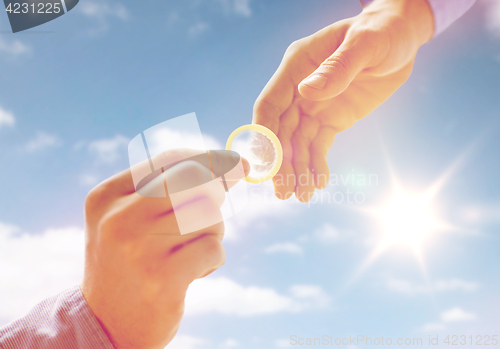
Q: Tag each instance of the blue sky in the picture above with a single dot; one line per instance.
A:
(75, 91)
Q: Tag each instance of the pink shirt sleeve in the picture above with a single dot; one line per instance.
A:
(61, 322)
(445, 11)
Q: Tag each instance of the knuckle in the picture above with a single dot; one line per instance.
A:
(294, 48)
(267, 113)
(165, 155)
(213, 197)
(309, 128)
(111, 225)
(338, 62)
(95, 198)
(289, 124)
(368, 37)
(213, 247)
(263, 106)
(174, 154)
(168, 157)
(287, 130)
(376, 41)
(301, 140)
(106, 225)
(196, 173)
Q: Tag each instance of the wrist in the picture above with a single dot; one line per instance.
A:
(416, 14)
(133, 319)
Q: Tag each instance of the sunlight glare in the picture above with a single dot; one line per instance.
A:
(408, 219)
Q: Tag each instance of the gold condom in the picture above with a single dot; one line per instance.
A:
(262, 169)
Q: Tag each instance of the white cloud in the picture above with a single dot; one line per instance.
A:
(222, 295)
(433, 327)
(197, 29)
(492, 13)
(455, 285)
(327, 233)
(284, 247)
(242, 7)
(449, 316)
(230, 343)
(311, 293)
(37, 266)
(211, 143)
(239, 7)
(109, 150)
(106, 151)
(412, 288)
(182, 341)
(8, 229)
(405, 286)
(172, 19)
(262, 205)
(282, 343)
(233, 8)
(41, 141)
(161, 138)
(89, 180)
(457, 314)
(102, 10)
(6, 118)
(13, 47)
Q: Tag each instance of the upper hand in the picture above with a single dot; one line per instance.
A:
(331, 79)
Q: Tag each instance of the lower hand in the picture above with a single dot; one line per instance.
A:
(138, 266)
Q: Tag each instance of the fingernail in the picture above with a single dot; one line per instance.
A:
(316, 81)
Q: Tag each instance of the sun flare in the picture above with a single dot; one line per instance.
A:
(407, 219)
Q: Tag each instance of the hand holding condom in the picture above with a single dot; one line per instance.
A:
(260, 147)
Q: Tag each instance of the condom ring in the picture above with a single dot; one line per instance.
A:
(257, 151)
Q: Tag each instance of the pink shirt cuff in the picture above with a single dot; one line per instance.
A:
(445, 11)
(64, 321)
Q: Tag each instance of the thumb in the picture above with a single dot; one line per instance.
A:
(335, 74)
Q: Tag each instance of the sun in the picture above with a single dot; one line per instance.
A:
(407, 219)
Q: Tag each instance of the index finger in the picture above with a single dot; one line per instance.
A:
(126, 182)
(136, 177)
